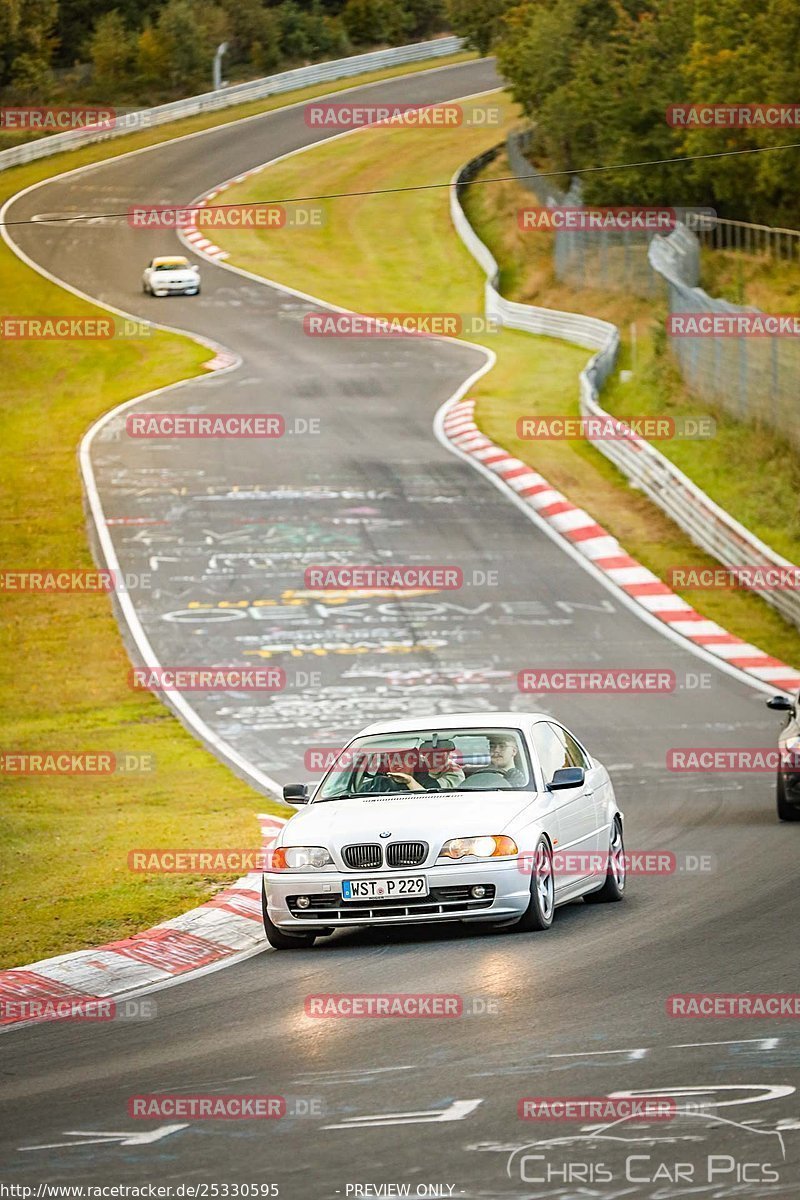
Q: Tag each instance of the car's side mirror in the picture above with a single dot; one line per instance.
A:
(780, 704)
(295, 793)
(567, 777)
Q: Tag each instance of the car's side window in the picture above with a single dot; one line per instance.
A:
(551, 750)
(575, 753)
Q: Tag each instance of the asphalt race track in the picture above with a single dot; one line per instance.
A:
(578, 1011)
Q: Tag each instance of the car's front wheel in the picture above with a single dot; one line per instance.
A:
(538, 916)
(280, 940)
(786, 811)
(616, 871)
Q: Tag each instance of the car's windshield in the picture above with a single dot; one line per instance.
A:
(178, 265)
(429, 760)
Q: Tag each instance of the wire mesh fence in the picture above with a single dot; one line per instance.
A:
(754, 376)
(612, 259)
(736, 364)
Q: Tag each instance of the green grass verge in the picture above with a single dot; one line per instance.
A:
(399, 252)
(65, 841)
(772, 285)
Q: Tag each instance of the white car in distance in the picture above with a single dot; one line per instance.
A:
(495, 818)
(171, 276)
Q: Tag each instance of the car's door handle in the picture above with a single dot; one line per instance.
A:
(588, 794)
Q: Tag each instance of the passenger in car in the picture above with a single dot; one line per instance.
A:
(437, 770)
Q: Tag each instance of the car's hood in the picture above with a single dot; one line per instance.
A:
(336, 823)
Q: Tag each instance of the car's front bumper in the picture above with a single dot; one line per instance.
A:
(175, 288)
(449, 897)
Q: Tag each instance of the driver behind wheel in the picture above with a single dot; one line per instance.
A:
(503, 756)
(437, 769)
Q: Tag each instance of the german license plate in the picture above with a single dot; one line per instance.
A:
(384, 889)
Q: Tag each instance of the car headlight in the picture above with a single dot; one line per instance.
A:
(485, 846)
(300, 858)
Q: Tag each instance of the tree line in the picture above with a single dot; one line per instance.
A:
(596, 78)
(149, 51)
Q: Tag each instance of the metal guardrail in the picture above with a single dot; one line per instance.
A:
(746, 238)
(708, 525)
(256, 89)
(584, 331)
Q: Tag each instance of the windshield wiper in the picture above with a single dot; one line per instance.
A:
(357, 796)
